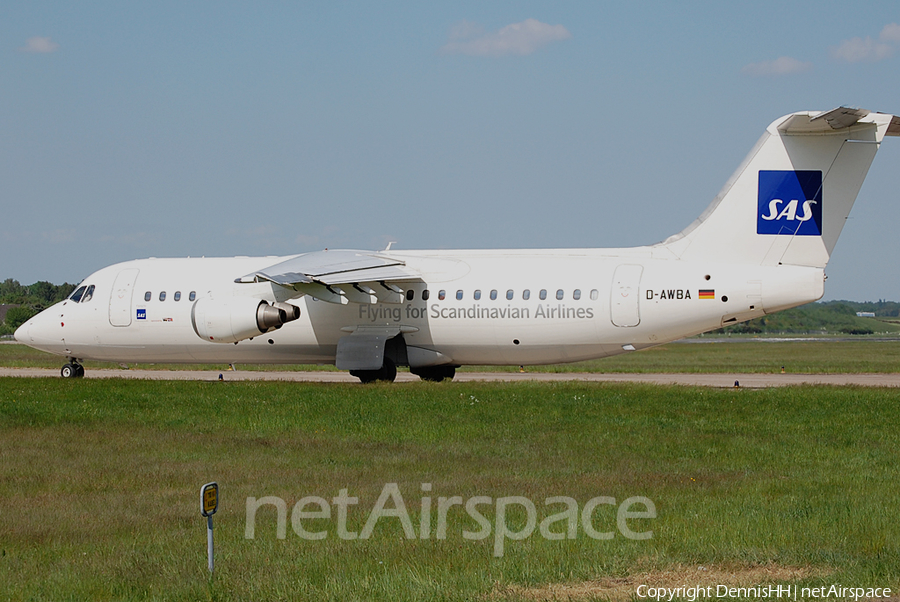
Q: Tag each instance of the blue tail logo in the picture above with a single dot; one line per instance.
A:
(790, 203)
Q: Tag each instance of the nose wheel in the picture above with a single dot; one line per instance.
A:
(72, 370)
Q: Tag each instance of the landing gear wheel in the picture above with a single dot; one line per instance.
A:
(72, 370)
(388, 372)
(435, 373)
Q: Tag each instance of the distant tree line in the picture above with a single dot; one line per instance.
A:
(28, 300)
(830, 317)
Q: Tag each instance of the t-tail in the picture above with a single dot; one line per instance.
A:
(787, 202)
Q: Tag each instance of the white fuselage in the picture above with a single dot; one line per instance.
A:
(761, 246)
(627, 299)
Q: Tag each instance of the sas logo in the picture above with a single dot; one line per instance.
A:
(790, 202)
(142, 314)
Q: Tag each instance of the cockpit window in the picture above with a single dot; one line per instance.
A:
(76, 296)
(88, 294)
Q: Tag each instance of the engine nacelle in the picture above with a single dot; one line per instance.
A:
(234, 319)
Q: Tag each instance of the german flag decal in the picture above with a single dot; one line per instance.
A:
(707, 293)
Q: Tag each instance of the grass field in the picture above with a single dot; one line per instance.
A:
(99, 486)
(748, 356)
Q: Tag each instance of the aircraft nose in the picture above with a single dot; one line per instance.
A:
(43, 331)
(21, 334)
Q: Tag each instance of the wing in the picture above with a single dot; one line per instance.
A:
(340, 276)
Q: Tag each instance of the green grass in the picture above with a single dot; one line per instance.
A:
(99, 483)
(748, 356)
(810, 357)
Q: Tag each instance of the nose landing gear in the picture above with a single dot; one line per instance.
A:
(72, 370)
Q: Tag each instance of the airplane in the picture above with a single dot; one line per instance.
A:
(760, 247)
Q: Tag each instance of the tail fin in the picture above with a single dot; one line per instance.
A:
(787, 202)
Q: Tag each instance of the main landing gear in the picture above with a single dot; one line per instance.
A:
(435, 373)
(72, 370)
(387, 372)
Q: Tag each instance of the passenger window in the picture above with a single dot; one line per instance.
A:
(459, 295)
(88, 294)
(425, 295)
(76, 296)
(560, 294)
(577, 294)
(192, 296)
(177, 295)
(162, 295)
(526, 294)
(410, 294)
(442, 295)
(595, 294)
(477, 294)
(543, 294)
(494, 295)
(148, 295)
(509, 294)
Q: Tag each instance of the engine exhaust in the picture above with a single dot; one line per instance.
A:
(274, 316)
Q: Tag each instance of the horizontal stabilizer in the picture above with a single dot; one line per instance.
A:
(826, 121)
(835, 119)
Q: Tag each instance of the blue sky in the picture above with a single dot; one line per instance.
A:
(172, 129)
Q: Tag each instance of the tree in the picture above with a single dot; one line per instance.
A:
(11, 291)
(43, 290)
(16, 316)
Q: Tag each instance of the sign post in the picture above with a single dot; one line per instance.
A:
(209, 503)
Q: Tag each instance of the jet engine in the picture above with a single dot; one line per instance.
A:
(237, 318)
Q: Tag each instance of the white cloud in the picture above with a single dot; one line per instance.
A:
(39, 45)
(783, 65)
(519, 38)
(890, 33)
(856, 50)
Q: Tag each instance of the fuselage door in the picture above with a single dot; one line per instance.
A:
(120, 298)
(623, 305)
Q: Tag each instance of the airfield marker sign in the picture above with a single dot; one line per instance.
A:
(209, 503)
